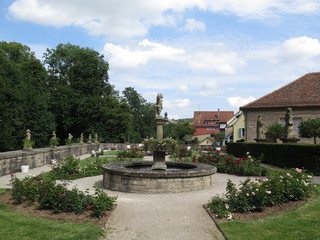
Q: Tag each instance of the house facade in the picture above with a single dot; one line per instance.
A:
(235, 128)
(301, 95)
(209, 122)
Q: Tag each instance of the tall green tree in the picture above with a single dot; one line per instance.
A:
(142, 116)
(310, 129)
(23, 96)
(82, 99)
(180, 131)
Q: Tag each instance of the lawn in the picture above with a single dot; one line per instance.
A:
(302, 223)
(15, 226)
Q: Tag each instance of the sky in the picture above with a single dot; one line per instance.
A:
(202, 55)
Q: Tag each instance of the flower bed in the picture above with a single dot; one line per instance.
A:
(247, 166)
(46, 194)
(263, 192)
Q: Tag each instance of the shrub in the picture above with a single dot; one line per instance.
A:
(182, 152)
(275, 130)
(130, 153)
(229, 164)
(101, 203)
(256, 195)
(46, 194)
(66, 168)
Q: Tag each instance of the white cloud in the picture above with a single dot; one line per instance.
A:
(184, 87)
(210, 89)
(177, 103)
(237, 102)
(216, 57)
(125, 18)
(194, 25)
(300, 48)
(125, 57)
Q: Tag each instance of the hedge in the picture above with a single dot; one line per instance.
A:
(283, 155)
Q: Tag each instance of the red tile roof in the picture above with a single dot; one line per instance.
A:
(304, 91)
(211, 118)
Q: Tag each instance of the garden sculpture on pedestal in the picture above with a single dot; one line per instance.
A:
(27, 143)
(288, 135)
(159, 156)
(260, 132)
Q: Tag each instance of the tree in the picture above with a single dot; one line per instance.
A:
(310, 129)
(142, 116)
(81, 97)
(24, 97)
(219, 136)
(274, 131)
(180, 130)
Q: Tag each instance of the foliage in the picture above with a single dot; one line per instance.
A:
(15, 226)
(81, 98)
(275, 130)
(219, 136)
(23, 96)
(142, 116)
(130, 153)
(54, 141)
(101, 203)
(272, 190)
(66, 168)
(247, 166)
(310, 129)
(165, 144)
(180, 130)
(28, 143)
(46, 194)
(282, 155)
(302, 221)
(182, 152)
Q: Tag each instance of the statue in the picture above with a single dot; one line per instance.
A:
(288, 123)
(81, 138)
(54, 136)
(28, 134)
(70, 137)
(90, 138)
(259, 127)
(96, 138)
(27, 143)
(159, 104)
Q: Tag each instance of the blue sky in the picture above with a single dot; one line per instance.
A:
(201, 54)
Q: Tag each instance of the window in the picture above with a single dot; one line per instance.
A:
(241, 132)
(296, 123)
(211, 129)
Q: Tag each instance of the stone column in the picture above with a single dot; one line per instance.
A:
(159, 122)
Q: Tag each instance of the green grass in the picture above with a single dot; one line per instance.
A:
(302, 223)
(15, 226)
(112, 152)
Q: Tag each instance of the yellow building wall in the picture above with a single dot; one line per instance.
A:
(239, 124)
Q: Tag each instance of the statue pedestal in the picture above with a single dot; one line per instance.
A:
(290, 140)
(260, 140)
(159, 122)
(159, 158)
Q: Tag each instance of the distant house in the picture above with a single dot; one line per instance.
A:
(302, 95)
(208, 141)
(209, 122)
(235, 128)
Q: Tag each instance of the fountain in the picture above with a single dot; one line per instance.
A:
(157, 176)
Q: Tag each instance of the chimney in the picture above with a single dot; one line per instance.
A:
(219, 114)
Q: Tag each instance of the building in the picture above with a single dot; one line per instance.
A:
(302, 95)
(235, 128)
(210, 122)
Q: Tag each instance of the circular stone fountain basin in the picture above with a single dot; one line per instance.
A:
(138, 177)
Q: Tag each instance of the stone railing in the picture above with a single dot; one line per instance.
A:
(11, 162)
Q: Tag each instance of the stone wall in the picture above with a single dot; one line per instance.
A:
(12, 161)
(270, 116)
